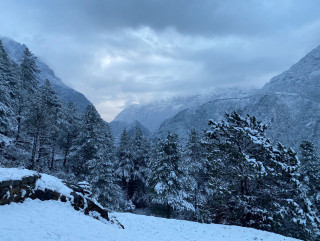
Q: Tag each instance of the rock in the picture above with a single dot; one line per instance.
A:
(79, 198)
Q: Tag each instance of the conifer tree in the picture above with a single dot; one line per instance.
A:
(252, 183)
(7, 122)
(166, 182)
(42, 125)
(92, 155)
(196, 169)
(125, 165)
(140, 158)
(310, 170)
(70, 126)
(28, 85)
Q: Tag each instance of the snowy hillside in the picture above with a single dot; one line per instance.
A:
(302, 78)
(52, 220)
(152, 114)
(289, 104)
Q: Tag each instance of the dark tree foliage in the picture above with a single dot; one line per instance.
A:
(166, 182)
(253, 183)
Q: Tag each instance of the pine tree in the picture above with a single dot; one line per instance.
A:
(252, 183)
(53, 116)
(42, 126)
(140, 158)
(310, 170)
(166, 182)
(70, 126)
(28, 85)
(196, 169)
(125, 165)
(7, 122)
(92, 155)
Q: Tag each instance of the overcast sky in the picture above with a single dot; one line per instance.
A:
(119, 52)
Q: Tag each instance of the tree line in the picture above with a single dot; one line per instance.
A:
(229, 174)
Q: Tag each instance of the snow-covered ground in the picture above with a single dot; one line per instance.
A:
(14, 173)
(52, 220)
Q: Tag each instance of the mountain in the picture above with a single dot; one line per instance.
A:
(15, 51)
(152, 114)
(302, 78)
(289, 104)
(117, 127)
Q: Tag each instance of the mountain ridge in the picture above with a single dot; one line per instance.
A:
(15, 51)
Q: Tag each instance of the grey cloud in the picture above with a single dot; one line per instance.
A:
(128, 51)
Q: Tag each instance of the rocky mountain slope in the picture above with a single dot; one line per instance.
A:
(289, 104)
(15, 52)
(152, 114)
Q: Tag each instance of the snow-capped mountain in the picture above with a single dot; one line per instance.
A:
(15, 51)
(289, 104)
(302, 78)
(152, 114)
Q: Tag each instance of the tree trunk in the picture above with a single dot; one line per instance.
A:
(19, 123)
(168, 211)
(53, 152)
(67, 149)
(34, 149)
(196, 204)
(40, 149)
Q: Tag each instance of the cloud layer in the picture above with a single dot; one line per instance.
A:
(131, 51)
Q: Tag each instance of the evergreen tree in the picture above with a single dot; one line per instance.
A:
(125, 164)
(53, 113)
(140, 158)
(42, 125)
(197, 171)
(310, 170)
(28, 85)
(70, 126)
(93, 150)
(166, 182)
(7, 122)
(252, 183)
(310, 174)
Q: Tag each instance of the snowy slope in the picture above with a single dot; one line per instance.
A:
(152, 114)
(52, 220)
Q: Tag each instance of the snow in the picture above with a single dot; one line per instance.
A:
(52, 220)
(15, 174)
(52, 183)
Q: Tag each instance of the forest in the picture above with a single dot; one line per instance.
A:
(228, 174)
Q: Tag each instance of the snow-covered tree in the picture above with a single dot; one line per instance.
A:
(310, 170)
(28, 85)
(253, 183)
(92, 155)
(42, 125)
(125, 164)
(166, 182)
(70, 127)
(140, 158)
(196, 168)
(7, 120)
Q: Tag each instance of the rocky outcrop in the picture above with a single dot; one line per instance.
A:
(34, 187)
(17, 190)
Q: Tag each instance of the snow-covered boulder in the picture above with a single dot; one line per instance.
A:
(16, 185)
